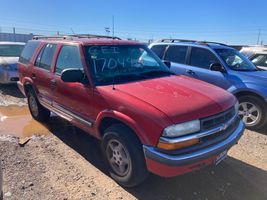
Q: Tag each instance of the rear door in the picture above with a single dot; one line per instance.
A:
(41, 73)
(177, 55)
(74, 99)
(198, 67)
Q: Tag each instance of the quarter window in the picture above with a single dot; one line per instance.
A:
(69, 57)
(202, 58)
(176, 54)
(45, 56)
(28, 51)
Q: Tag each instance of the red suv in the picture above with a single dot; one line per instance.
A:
(147, 118)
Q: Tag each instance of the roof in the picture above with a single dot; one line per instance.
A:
(11, 43)
(86, 39)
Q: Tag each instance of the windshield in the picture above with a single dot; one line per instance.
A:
(235, 60)
(123, 63)
(11, 50)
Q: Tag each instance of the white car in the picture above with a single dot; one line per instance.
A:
(257, 55)
(9, 55)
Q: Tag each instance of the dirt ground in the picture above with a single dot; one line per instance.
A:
(67, 164)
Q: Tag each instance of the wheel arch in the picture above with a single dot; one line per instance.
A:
(108, 118)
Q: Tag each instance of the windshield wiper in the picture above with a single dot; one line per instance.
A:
(157, 73)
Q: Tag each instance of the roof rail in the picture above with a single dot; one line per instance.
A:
(70, 37)
(95, 36)
(190, 41)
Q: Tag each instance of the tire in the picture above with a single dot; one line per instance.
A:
(252, 106)
(37, 111)
(128, 154)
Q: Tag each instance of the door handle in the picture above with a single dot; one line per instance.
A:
(33, 76)
(189, 71)
(53, 82)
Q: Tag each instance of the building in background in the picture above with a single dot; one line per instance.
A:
(15, 37)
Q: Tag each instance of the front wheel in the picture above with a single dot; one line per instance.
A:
(37, 111)
(124, 156)
(252, 111)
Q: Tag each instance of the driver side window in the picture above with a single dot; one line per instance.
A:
(202, 58)
(69, 57)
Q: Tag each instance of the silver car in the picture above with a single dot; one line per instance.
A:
(257, 55)
(9, 55)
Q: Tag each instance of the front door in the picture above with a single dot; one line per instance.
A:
(74, 99)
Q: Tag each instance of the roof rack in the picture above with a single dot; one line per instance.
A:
(71, 37)
(190, 41)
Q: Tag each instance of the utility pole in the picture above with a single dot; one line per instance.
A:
(113, 26)
(107, 30)
(14, 34)
(259, 34)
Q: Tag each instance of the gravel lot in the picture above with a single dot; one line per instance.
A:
(67, 164)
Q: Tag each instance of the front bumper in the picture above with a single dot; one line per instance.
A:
(171, 165)
(7, 76)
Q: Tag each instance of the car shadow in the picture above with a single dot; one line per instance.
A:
(232, 179)
(11, 90)
(84, 144)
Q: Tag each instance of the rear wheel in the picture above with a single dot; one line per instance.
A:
(124, 156)
(37, 111)
(252, 111)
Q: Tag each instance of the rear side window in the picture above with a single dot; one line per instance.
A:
(202, 58)
(159, 50)
(28, 51)
(45, 56)
(69, 57)
(176, 54)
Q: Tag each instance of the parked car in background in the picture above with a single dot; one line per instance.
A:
(223, 66)
(147, 118)
(257, 55)
(9, 55)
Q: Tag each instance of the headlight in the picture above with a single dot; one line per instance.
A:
(237, 107)
(182, 129)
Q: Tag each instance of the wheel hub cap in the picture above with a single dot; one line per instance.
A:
(249, 113)
(118, 157)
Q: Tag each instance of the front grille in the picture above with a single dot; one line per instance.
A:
(216, 120)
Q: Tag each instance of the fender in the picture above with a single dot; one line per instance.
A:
(124, 119)
(250, 87)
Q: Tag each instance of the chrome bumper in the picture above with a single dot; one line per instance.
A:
(188, 158)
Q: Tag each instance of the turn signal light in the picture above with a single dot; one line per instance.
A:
(177, 145)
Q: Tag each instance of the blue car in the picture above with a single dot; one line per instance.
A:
(223, 66)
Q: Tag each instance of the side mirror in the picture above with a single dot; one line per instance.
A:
(72, 75)
(217, 67)
(167, 63)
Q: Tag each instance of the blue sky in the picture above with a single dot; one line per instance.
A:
(229, 21)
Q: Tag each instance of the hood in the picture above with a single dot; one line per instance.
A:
(180, 98)
(257, 77)
(8, 60)
(256, 74)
